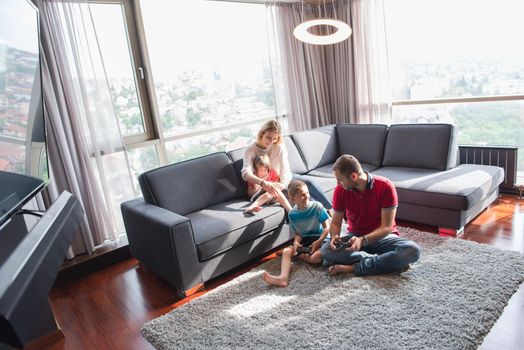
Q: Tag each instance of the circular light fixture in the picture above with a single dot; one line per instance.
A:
(342, 31)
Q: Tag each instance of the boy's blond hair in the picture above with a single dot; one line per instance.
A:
(294, 186)
(262, 160)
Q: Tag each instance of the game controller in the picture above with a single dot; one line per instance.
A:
(303, 250)
(341, 245)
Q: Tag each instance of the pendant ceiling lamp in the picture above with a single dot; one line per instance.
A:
(336, 30)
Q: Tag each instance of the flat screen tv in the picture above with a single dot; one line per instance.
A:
(23, 154)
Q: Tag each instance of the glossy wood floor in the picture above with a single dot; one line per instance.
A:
(106, 309)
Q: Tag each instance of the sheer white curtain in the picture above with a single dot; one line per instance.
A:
(372, 81)
(82, 123)
(313, 84)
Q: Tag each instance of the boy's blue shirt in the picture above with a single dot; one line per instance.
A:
(308, 221)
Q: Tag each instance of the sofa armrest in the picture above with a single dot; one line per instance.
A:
(163, 241)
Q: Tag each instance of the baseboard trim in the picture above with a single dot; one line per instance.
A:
(104, 256)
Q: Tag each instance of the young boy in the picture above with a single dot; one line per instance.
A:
(259, 197)
(310, 221)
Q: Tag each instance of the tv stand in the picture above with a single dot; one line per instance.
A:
(28, 271)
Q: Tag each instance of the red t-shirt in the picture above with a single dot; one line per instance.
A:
(271, 177)
(363, 209)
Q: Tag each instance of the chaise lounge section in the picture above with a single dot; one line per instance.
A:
(420, 159)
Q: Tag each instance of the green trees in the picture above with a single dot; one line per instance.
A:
(492, 123)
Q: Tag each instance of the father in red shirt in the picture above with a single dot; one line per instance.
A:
(369, 202)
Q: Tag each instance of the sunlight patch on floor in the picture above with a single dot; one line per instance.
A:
(259, 304)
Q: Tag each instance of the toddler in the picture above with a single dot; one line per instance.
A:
(256, 193)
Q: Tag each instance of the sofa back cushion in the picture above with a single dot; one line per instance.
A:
(364, 141)
(296, 162)
(237, 157)
(429, 146)
(318, 146)
(193, 184)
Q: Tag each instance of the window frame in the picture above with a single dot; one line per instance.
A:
(131, 28)
(490, 98)
(139, 55)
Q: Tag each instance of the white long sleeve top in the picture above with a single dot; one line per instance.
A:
(279, 162)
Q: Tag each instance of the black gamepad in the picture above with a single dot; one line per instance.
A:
(303, 250)
(343, 244)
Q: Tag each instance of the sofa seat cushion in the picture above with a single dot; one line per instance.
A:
(459, 188)
(224, 226)
(323, 171)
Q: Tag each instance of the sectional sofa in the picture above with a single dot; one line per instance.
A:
(189, 226)
(420, 159)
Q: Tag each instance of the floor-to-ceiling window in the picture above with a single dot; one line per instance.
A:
(460, 61)
(187, 78)
(211, 73)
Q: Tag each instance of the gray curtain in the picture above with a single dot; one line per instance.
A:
(69, 109)
(319, 85)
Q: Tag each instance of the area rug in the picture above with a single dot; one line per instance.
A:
(449, 299)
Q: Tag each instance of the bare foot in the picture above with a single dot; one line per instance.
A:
(336, 269)
(275, 281)
(252, 210)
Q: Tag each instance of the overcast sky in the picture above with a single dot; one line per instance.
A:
(457, 28)
(18, 25)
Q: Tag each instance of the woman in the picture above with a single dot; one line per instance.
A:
(269, 141)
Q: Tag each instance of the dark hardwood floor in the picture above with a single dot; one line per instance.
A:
(107, 308)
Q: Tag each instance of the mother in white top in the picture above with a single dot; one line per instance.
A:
(269, 141)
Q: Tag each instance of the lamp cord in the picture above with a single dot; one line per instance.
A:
(38, 213)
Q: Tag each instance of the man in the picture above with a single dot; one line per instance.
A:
(369, 203)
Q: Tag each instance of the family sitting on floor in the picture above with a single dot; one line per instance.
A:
(368, 202)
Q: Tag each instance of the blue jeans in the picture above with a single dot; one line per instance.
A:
(388, 254)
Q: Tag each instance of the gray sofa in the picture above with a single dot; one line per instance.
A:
(420, 159)
(189, 227)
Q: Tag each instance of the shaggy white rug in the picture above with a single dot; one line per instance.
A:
(449, 299)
